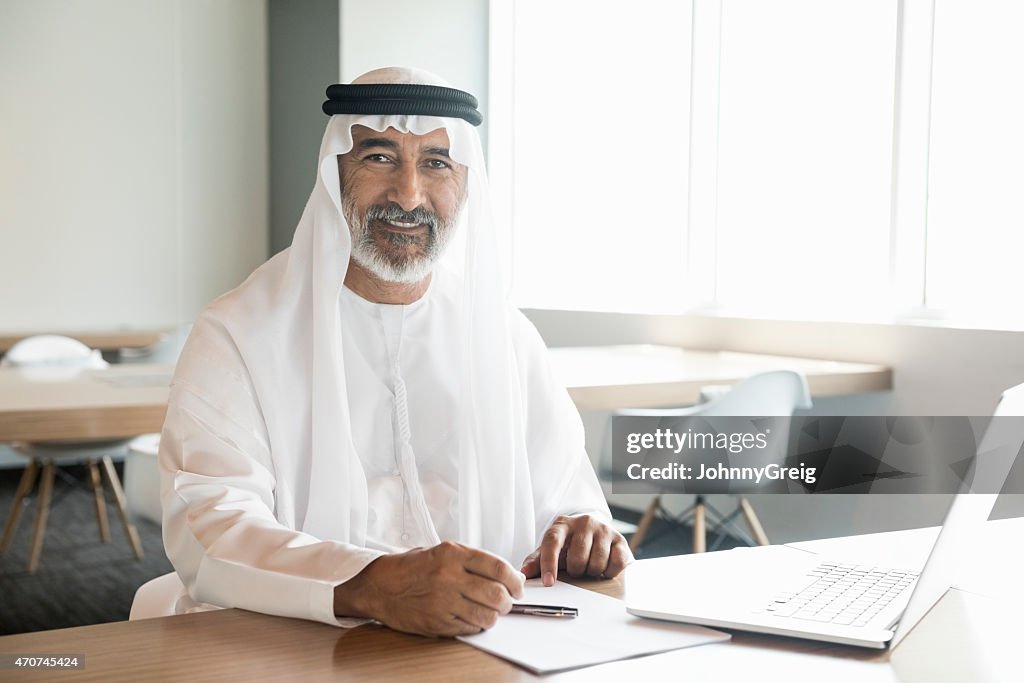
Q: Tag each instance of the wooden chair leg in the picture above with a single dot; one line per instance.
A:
(115, 486)
(753, 522)
(28, 480)
(645, 524)
(700, 538)
(42, 511)
(101, 503)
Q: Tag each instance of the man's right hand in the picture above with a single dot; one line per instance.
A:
(447, 590)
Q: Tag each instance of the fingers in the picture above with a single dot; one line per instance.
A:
(487, 593)
(448, 626)
(531, 565)
(600, 552)
(492, 567)
(475, 616)
(578, 554)
(452, 590)
(585, 545)
(618, 559)
(551, 548)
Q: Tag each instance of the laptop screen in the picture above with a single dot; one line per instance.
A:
(960, 531)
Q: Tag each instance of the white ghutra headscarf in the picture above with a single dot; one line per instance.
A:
(285, 324)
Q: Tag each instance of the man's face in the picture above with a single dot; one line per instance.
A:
(401, 194)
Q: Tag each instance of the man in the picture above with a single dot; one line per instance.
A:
(359, 432)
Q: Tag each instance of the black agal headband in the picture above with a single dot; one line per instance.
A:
(402, 98)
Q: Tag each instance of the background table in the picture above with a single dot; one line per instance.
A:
(54, 404)
(648, 376)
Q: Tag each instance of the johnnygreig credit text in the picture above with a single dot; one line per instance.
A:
(667, 439)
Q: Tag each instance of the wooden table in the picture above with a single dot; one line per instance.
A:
(237, 645)
(967, 636)
(67, 404)
(648, 376)
(102, 340)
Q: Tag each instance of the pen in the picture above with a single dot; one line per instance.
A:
(544, 610)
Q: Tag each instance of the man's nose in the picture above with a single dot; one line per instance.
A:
(407, 188)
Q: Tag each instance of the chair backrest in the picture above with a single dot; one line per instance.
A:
(774, 393)
(777, 393)
(768, 394)
(52, 351)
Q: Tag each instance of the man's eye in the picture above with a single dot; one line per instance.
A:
(437, 163)
(378, 158)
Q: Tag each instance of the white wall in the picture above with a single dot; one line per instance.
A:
(225, 143)
(133, 159)
(447, 37)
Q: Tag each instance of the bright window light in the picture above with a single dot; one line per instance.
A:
(976, 174)
(805, 156)
(601, 128)
(809, 159)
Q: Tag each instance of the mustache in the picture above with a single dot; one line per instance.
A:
(393, 212)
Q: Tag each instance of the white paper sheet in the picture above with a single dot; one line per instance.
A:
(603, 632)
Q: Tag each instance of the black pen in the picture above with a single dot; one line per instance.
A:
(544, 610)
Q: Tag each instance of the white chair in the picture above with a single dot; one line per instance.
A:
(52, 351)
(141, 474)
(769, 394)
(142, 478)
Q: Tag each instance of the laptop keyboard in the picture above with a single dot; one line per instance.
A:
(843, 594)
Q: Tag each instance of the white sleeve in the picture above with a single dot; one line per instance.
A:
(218, 495)
(564, 481)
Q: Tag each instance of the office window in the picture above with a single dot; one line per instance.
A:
(839, 159)
(804, 154)
(601, 128)
(976, 170)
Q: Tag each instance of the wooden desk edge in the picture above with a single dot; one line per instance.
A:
(84, 423)
(663, 394)
(160, 649)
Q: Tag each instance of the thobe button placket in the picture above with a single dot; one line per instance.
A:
(416, 516)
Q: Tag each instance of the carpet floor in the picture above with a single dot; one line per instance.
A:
(79, 581)
(668, 537)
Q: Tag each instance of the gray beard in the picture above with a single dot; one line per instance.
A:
(393, 256)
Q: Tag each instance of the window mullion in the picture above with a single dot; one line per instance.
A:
(911, 137)
(702, 216)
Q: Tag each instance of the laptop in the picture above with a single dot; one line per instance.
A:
(789, 591)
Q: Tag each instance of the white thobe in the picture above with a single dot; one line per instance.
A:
(233, 515)
(399, 367)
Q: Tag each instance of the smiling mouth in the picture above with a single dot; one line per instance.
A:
(401, 226)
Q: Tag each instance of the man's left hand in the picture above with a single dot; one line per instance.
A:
(582, 546)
